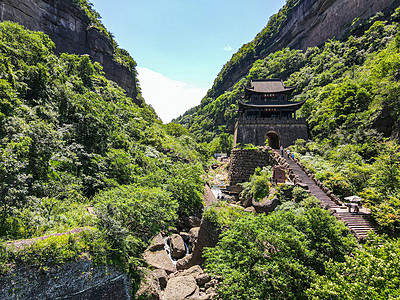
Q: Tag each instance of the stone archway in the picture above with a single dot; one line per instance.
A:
(273, 139)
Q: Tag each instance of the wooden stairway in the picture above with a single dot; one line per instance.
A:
(359, 223)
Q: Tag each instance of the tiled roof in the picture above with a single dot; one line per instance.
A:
(269, 105)
(268, 86)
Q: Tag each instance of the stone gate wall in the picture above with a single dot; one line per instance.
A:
(254, 132)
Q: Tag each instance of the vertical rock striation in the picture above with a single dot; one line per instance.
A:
(72, 32)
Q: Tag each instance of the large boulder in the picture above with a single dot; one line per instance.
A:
(182, 287)
(192, 221)
(161, 276)
(194, 271)
(157, 243)
(266, 206)
(159, 260)
(208, 237)
(178, 249)
(193, 236)
(149, 287)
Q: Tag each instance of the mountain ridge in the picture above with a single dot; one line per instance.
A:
(301, 24)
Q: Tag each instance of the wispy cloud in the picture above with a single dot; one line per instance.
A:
(228, 48)
(170, 98)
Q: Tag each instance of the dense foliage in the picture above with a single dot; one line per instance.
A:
(351, 91)
(71, 140)
(372, 273)
(279, 255)
(120, 55)
(258, 185)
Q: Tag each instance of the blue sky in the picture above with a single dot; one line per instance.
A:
(181, 45)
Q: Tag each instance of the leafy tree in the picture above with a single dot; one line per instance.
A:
(371, 273)
(276, 256)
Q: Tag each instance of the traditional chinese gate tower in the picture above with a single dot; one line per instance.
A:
(266, 114)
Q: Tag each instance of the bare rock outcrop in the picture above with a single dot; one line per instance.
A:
(182, 287)
(266, 206)
(310, 23)
(159, 260)
(71, 31)
(73, 280)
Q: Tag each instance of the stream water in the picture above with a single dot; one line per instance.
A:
(168, 249)
(217, 188)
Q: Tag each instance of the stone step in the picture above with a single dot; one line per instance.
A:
(359, 224)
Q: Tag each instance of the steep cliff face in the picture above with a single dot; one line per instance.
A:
(72, 32)
(313, 22)
(309, 23)
(80, 279)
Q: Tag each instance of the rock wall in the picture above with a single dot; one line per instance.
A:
(311, 23)
(74, 280)
(244, 162)
(70, 29)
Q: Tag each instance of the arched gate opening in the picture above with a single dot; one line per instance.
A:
(273, 139)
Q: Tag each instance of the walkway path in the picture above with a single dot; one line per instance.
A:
(358, 223)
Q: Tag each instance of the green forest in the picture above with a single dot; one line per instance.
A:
(351, 88)
(351, 91)
(77, 154)
(70, 139)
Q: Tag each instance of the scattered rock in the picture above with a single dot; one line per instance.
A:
(266, 206)
(250, 209)
(161, 276)
(178, 249)
(159, 260)
(186, 236)
(210, 291)
(192, 221)
(203, 279)
(157, 243)
(182, 287)
(210, 284)
(195, 271)
(149, 287)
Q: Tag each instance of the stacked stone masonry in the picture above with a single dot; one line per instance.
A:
(255, 131)
(244, 162)
(241, 171)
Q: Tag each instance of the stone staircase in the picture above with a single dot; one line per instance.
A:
(359, 223)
